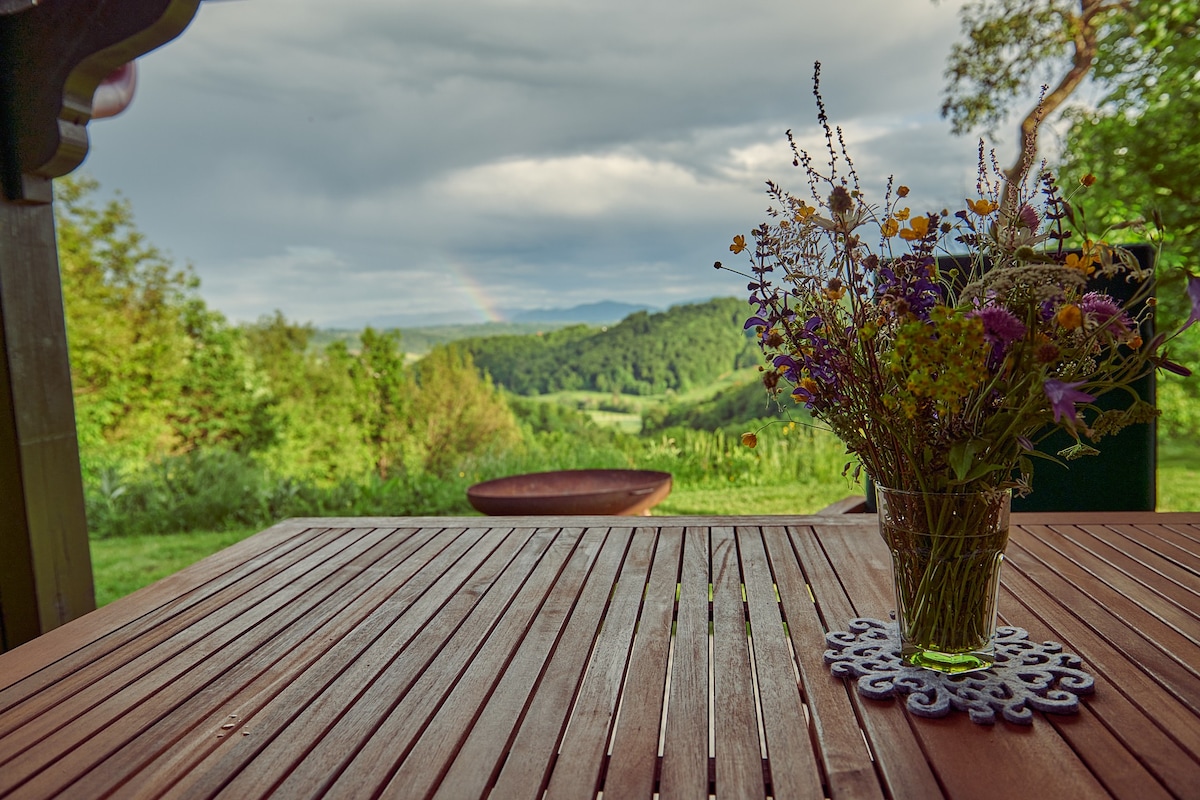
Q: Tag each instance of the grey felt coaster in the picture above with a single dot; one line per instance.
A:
(1026, 677)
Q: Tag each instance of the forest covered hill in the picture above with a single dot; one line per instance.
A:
(673, 350)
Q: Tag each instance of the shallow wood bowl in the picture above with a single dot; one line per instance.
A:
(575, 492)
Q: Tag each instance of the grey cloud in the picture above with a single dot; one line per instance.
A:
(273, 130)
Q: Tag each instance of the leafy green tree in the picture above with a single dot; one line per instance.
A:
(1138, 138)
(1009, 48)
(154, 371)
(454, 413)
(382, 396)
(645, 353)
(318, 416)
(224, 398)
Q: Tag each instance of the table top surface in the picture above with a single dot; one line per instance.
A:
(568, 656)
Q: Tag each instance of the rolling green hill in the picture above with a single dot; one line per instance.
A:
(674, 350)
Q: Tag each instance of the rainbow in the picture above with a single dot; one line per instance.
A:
(475, 291)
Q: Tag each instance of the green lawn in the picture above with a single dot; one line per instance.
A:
(123, 565)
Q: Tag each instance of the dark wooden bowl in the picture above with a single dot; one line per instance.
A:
(573, 492)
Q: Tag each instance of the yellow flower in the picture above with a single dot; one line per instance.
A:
(920, 227)
(804, 212)
(890, 228)
(749, 440)
(982, 207)
(1083, 263)
(739, 244)
(902, 191)
(902, 214)
(1070, 317)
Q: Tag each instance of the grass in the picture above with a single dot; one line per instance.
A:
(125, 564)
(798, 499)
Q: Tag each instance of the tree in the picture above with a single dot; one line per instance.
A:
(154, 371)
(454, 412)
(1139, 54)
(128, 343)
(1013, 45)
(1138, 138)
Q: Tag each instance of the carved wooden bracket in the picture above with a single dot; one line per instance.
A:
(53, 55)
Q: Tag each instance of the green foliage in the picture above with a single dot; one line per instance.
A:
(1009, 48)
(122, 565)
(154, 371)
(125, 330)
(454, 412)
(421, 340)
(733, 410)
(216, 489)
(644, 354)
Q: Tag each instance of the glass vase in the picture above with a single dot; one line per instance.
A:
(946, 555)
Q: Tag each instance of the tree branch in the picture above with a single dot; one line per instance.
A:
(1084, 42)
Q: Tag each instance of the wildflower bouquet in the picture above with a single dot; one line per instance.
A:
(945, 379)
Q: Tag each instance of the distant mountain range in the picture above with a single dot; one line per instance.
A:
(605, 312)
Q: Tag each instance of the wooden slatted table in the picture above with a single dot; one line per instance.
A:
(530, 657)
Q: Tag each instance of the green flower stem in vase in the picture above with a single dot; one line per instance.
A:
(946, 554)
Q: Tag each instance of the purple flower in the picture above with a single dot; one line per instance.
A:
(1194, 295)
(1063, 397)
(1100, 308)
(1000, 329)
(907, 280)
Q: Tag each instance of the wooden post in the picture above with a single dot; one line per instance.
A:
(45, 568)
(53, 55)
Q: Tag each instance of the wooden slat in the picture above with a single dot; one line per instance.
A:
(1146, 713)
(635, 741)
(418, 680)
(588, 579)
(397, 595)
(898, 756)
(1140, 601)
(269, 665)
(1162, 576)
(845, 760)
(103, 696)
(526, 770)
(48, 653)
(955, 746)
(685, 742)
(738, 761)
(579, 769)
(464, 696)
(1169, 542)
(793, 765)
(310, 708)
(112, 753)
(132, 622)
(387, 659)
(1139, 646)
(1126, 764)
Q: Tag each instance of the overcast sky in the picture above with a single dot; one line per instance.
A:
(417, 160)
